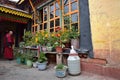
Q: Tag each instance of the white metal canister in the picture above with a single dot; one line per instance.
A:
(73, 62)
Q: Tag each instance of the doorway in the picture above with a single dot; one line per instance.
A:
(18, 32)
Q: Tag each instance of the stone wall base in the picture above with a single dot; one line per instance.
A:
(100, 67)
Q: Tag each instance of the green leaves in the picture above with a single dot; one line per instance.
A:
(74, 34)
(28, 36)
(42, 58)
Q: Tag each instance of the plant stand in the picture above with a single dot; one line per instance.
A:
(59, 58)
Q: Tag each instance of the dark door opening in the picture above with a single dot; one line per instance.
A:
(18, 32)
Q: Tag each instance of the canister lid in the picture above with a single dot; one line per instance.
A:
(72, 51)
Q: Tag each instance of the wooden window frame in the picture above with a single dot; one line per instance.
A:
(58, 17)
(54, 18)
(71, 12)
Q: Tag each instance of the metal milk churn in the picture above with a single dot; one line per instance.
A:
(73, 62)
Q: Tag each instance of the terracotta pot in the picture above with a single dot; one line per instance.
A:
(59, 49)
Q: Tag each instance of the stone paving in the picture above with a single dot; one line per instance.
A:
(10, 70)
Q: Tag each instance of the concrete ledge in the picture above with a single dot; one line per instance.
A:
(98, 67)
(94, 61)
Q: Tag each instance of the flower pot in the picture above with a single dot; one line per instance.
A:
(44, 48)
(18, 60)
(35, 64)
(61, 72)
(29, 63)
(49, 49)
(59, 49)
(42, 66)
(23, 61)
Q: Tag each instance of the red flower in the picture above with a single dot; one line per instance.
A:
(58, 35)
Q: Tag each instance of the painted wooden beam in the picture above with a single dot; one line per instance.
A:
(85, 28)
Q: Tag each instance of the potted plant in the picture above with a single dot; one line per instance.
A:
(73, 32)
(42, 61)
(28, 36)
(60, 37)
(23, 58)
(74, 36)
(29, 58)
(34, 60)
(21, 44)
(42, 39)
(60, 70)
(17, 55)
(49, 47)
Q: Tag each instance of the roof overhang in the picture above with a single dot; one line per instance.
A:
(14, 1)
(15, 11)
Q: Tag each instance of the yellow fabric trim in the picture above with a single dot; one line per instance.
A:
(14, 12)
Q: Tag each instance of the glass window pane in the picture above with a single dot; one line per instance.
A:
(74, 6)
(45, 17)
(51, 30)
(51, 24)
(75, 26)
(57, 6)
(40, 26)
(51, 15)
(57, 13)
(57, 22)
(74, 17)
(41, 16)
(35, 28)
(45, 25)
(45, 11)
(66, 20)
(65, 2)
(67, 26)
(66, 9)
(32, 29)
(51, 7)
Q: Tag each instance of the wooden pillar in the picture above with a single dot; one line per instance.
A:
(58, 58)
(85, 29)
(61, 13)
(59, 55)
